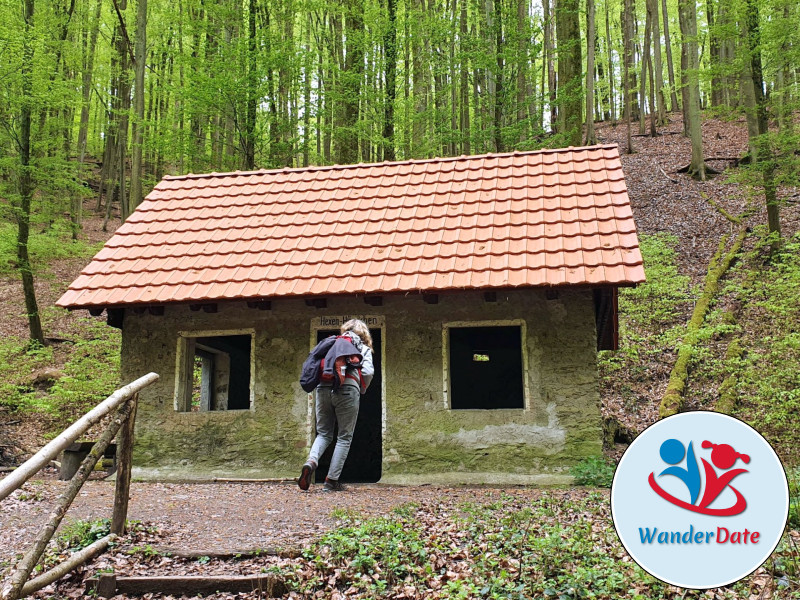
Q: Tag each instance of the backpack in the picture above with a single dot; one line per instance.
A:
(311, 372)
(314, 373)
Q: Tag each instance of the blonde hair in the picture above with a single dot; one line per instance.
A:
(360, 328)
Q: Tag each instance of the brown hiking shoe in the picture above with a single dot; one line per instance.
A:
(332, 485)
(304, 481)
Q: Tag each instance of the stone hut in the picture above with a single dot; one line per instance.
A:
(488, 282)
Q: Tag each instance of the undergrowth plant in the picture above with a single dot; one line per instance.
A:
(44, 247)
(768, 367)
(595, 471)
(90, 373)
(651, 316)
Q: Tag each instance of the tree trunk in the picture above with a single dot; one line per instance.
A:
(26, 185)
(643, 58)
(551, 72)
(390, 49)
(465, 120)
(497, 121)
(688, 21)
(569, 69)
(760, 148)
(140, 53)
(627, 63)
(714, 55)
(419, 85)
(347, 139)
(590, 139)
(670, 64)
(83, 128)
(249, 135)
(610, 62)
(652, 9)
(522, 70)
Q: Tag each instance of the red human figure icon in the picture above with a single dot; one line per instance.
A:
(724, 457)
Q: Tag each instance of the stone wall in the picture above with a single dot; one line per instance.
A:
(424, 441)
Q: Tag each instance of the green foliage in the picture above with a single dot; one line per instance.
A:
(769, 366)
(547, 548)
(55, 243)
(91, 373)
(794, 498)
(76, 535)
(595, 471)
(654, 305)
(651, 318)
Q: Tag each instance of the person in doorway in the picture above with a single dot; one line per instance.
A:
(340, 407)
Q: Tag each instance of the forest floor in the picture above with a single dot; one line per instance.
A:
(415, 541)
(459, 531)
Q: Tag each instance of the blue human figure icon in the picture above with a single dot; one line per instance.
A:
(672, 452)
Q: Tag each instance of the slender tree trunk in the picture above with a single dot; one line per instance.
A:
(688, 21)
(465, 120)
(685, 88)
(670, 64)
(249, 137)
(347, 146)
(653, 94)
(569, 69)
(590, 139)
(124, 50)
(645, 55)
(26, 185)
(760, 148)
(652, 9)
(610, 69)
(714, 55)
(138, 104)
(549, 59)
(83, 128)
(522, 69)
(498, 88)
(627, 63)
(390, 49)
(419, 82)
(307, 68)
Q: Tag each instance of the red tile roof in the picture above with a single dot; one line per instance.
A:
(544, 218)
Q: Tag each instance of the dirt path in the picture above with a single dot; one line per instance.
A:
(218, 516)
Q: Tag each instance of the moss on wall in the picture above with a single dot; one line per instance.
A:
(424, 440)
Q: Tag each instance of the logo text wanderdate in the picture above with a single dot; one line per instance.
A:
(721, 536)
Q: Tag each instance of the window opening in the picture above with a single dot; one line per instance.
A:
(215, 374)
(485, 367)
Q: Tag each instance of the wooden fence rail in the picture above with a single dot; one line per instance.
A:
(32, 466)
(125, 400)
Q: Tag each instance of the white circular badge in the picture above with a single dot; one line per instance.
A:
(699, 500)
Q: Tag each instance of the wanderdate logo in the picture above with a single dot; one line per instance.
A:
(699, 500)
(723, 457)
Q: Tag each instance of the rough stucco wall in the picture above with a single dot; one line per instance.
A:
(424, 441)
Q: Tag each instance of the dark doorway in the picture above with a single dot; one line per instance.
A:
(486, 367)
(363, 463)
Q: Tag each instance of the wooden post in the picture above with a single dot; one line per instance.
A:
(122, 489)
(12, 588)
(27, 470)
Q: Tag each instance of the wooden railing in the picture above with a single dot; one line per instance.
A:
(124, 400)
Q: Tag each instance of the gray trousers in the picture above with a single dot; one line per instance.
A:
(335, 407)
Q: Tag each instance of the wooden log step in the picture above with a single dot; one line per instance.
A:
(229, 554)
(108, 585)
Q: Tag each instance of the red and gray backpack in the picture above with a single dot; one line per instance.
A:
(315, 373)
